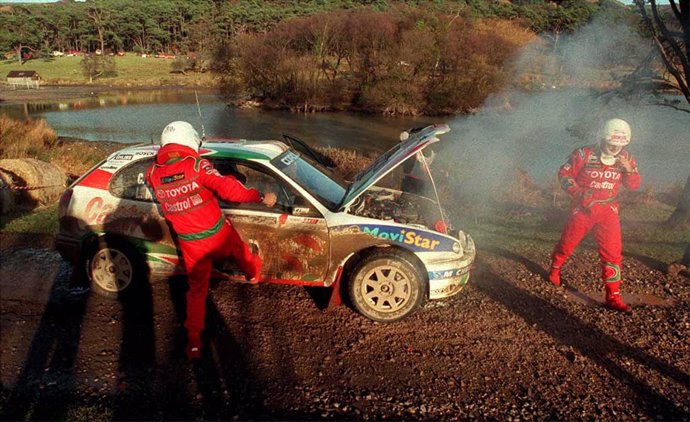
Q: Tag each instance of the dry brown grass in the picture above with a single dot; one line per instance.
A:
(35, 139)
(25, 138)
(348, 162)
(76, 157)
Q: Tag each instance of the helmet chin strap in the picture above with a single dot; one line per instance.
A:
(605, 157)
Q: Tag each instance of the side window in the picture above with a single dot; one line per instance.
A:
(289, 201)
(130, 182)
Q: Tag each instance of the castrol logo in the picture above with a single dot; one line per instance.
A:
(178, 206)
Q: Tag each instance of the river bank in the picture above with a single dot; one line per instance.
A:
(54, 93)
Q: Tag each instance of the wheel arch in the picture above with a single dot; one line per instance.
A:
(354, 259)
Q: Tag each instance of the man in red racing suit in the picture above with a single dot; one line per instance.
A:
(186, 186)
(592, 177)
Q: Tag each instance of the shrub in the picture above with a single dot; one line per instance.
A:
(401, 61)
(179, 65)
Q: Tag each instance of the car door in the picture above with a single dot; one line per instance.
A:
(291, 237)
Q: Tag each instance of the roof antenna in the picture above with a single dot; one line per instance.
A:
(201, 118)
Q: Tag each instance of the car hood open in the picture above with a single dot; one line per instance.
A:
(391, 159)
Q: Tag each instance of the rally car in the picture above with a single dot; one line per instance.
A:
(385, 248)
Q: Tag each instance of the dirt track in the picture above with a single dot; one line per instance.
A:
(508, 347)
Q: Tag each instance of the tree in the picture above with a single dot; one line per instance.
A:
(100, 16)
(22, 33)
(671, 35)
(94, 67)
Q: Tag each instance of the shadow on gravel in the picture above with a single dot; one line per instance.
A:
(649, 262)
(135, 387)
(223, 385)
(243, 361)
(47, 387)
(586, 338)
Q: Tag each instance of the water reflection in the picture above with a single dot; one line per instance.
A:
(105, 100)
(534, 134)
(138, 117)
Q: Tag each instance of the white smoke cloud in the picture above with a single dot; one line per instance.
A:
(536, 130)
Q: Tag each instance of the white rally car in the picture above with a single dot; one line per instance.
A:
(377, 244)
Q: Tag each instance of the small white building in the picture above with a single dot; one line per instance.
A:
(23, 79)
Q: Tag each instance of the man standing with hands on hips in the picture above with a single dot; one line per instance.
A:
(592, 177)
(203, 231)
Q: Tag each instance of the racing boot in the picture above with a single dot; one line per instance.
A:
(614, 300)
(555, 276)
(193, 349)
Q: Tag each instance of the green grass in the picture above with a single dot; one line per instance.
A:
(644, 233)
(132, 70)
(41, 220)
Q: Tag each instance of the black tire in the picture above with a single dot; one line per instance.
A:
(114, 267)
(386, 286)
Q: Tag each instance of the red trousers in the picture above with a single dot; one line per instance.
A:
(198, 258)
(603, 221)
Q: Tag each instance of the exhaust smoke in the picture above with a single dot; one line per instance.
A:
(535, 131)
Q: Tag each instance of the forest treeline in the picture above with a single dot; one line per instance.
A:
(397, 57)
(181, 26)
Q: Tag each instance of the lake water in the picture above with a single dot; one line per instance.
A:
(535, 132)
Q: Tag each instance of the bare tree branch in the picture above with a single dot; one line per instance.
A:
(669, 43)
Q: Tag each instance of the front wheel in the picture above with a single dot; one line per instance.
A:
(113, 267)
(386, 286)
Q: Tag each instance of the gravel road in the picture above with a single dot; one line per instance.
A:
(508, 347)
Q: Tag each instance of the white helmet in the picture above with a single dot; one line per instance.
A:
(616, 132)
(181, 133)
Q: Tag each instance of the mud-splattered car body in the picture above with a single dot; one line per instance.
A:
(322, 231)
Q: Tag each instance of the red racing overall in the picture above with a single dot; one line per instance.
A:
(594, 187)
(184, 185)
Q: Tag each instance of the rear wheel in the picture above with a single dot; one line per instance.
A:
(387, 286)
(113, 267)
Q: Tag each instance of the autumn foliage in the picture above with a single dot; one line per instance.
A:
(403, 61)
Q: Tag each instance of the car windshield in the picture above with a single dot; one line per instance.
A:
(314, 178)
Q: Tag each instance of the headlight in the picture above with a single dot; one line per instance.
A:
(462, 237)
(457, 248)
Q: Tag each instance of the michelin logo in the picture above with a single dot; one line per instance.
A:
(442, 275)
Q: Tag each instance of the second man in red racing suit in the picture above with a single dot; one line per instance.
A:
(592, 177)
(186, 186)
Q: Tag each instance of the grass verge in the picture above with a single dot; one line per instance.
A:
(132, 70)
(43, 220)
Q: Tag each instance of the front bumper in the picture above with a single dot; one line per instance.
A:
(448, 278)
